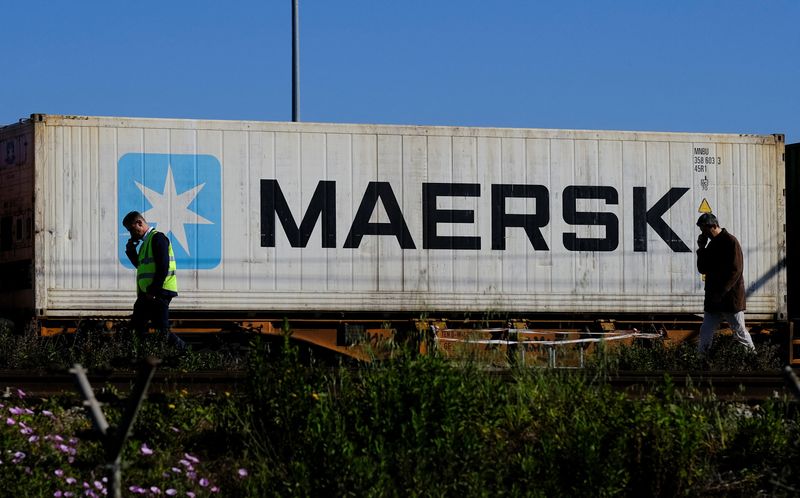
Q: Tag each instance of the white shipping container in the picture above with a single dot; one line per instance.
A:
(330, 217)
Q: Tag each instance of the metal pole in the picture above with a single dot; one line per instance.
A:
(90, 402)
(114, 437)
(295, 62)
(791, 379)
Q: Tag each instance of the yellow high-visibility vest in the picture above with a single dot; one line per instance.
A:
(147, 267)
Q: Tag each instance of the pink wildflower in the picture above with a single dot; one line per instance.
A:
(203, 482)
(59, 473)
(10, 421)
(16, 410)
(215, 489)
(155, 490)
(71, 480)
(191, 458)
(177, 470)
(171, 492)
(242, 472)
(21, 393)
(47, 413)
(145, 450)
(98, 485)
(58, 494)
(33, 439)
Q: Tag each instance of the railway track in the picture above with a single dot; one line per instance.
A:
(749, 387)
(726, 386)
(42, 384)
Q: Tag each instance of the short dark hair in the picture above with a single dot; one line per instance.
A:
(131, 217)
(707, 220)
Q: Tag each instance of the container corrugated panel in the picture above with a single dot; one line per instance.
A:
(300, 216)
(16, 216)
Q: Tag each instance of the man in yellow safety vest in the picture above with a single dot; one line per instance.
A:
(156, 283)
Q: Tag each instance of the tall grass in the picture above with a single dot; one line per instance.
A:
(420, 426)
(725, 355)
(414, 426)
(99, 349)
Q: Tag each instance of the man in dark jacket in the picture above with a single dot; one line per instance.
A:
(719, 258)
(156, 282)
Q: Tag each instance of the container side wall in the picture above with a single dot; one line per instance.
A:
(17, 220)
(279, 216)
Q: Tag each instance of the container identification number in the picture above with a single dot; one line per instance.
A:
(702, 159)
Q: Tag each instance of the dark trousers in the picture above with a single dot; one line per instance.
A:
(147, 310)
(154, 311)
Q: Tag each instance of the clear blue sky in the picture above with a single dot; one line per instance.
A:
(693, 65)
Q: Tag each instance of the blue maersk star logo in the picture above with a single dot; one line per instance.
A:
(171, 211)
(179, 194)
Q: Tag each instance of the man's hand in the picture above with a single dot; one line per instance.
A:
(702, 240)
(131, 245)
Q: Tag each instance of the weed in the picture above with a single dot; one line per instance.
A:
(653, 355)
(411, 426)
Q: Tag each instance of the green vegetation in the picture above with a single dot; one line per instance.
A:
(409, 426)
(98, 349)
(425, 426)
(725, 355)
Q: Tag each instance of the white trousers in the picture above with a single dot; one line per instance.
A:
(711, 321)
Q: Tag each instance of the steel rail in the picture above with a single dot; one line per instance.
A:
(45, 383)
(729, 386)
